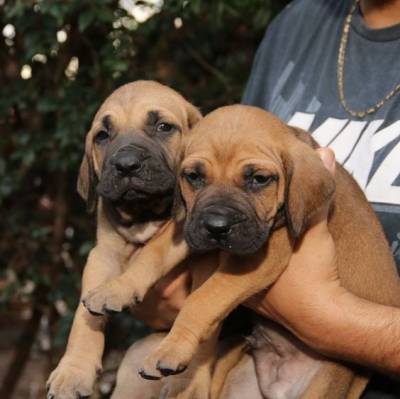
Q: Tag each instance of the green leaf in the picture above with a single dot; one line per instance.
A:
(85, 248)
(85, 19)
(44, 119)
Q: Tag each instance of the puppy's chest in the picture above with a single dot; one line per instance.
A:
(135, 238)
(139, 233)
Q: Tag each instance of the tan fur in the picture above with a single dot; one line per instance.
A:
(229, 356)
(224, 141)
(117, 246)
(365, 264)
(129, 384)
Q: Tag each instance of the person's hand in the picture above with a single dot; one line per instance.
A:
(163, 302)
(310, 277)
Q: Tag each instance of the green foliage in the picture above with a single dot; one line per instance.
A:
(202, 48)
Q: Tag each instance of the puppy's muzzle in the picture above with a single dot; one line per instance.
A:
(227, 225)
(128, 161)
(136, 173)
(218, 220)
(216, 225)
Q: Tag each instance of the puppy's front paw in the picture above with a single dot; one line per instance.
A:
(169, 358)
(110, 297)
(71, 379)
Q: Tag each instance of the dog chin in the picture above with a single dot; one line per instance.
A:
(134, 195)
(115, 193)
(248, 249)
(130, 195)
(235, 247)
(241, 248)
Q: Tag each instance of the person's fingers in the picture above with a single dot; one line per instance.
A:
(328, 158)
(163, 302)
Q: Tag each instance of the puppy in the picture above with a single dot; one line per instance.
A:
(251, 186)
(128, 176)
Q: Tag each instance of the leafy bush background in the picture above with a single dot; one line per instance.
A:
(45, 232)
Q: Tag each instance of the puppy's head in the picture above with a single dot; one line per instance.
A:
(244, 173)
(133, 146)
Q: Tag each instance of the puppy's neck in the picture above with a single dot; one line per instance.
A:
(134, 226)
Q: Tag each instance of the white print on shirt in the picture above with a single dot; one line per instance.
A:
(355, 144)
(396, 246)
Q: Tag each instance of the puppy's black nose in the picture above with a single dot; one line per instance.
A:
(217, 222)
(127, 163)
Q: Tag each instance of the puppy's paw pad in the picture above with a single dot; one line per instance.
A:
(167, 370)
(69, 381)
(172, 358)
(105, 299)
(147, 375)
(89, 307)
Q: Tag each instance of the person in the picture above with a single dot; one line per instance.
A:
(330, 67)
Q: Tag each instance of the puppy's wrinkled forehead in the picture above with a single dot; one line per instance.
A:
(237, 131)
(139, 103)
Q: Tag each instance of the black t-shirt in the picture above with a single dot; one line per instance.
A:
(295, 76)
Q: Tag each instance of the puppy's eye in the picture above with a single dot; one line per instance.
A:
(194, 178)
(258, 181)
(101, 136)
(261, 179)
(165, 127)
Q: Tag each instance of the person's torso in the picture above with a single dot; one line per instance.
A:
(295, 77)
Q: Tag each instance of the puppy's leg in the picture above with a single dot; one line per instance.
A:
(159, 256)
(76, 371)
(231, 352)
(129, 384)
(358, 386)
(195, 382)
(335, 381)
(241, 382)
(235, 280)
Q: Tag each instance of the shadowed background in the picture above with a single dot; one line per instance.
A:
(58, 62)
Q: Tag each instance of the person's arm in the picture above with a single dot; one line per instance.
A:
(309, 300)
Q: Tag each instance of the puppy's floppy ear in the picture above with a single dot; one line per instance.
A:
(194, 115)
(178, 206)
(309, 186)
(87, 182)
(303, 136)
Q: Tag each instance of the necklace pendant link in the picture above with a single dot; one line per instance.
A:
(340, 71)
(361, 114)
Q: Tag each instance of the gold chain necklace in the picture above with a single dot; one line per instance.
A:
(340, 71)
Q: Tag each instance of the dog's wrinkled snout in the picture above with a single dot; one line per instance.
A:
(217, 224)
(218, 220)
(225, 224)
(128, 161)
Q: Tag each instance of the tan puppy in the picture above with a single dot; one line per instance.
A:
(244, 175)
(251, 186)
(128, 175)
